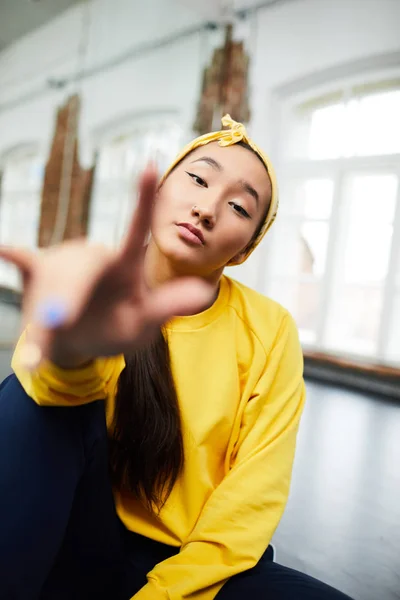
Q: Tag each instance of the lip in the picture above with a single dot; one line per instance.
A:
(195, 231)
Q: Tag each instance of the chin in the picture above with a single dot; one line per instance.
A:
(185, 259)
(180, 255)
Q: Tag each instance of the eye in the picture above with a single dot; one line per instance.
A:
(240, 210)
(198, 180)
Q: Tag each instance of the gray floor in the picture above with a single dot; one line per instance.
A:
(5, 357)
(342, 522)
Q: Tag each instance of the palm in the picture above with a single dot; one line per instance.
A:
(109, 309)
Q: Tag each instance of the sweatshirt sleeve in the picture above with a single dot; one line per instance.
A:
(50, 385)
(241, 515)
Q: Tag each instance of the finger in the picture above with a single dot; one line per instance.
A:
(36, 347)
(40, 320)
(22, 258)
(43, 319)
(139, 227)
(63, 286)
(26, 279)
(178, 298)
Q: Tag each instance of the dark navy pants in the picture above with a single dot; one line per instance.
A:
(60, 537)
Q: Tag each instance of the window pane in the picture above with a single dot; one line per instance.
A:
(19, 218)
(283, 291)
(20, 203)
(120, 163)
(377, 124)
(326, 132)
(354, 319)
(302, 300)
(288, 257)
(313, 246)
(310, 198)
(307, 310)
(363, 126)
(392, 353)
(300, 235)
(318, 197)
(372, 200)
(23, 174)
(9, 276)
(299, 249)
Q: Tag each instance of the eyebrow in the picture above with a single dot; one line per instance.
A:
(210, 161)
(218, 167)
(250, 190)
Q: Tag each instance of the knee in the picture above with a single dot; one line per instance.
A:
(21, 418)
(15, 404)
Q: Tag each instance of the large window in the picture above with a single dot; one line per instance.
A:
(336, 245)
(20, 197)
(121, 159)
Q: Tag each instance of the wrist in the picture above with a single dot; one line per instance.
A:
(70, 360)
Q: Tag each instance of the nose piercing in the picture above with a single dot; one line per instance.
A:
(194, 209)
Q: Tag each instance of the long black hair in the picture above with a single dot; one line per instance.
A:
(146, 442)
(146, 445)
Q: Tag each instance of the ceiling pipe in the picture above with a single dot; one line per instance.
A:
(60, 82)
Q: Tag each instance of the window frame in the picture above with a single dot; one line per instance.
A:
(338, 170)
(15, 153)
(126, 127)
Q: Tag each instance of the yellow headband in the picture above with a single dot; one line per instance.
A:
(236, 133)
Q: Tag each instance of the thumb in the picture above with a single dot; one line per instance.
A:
(22, 258)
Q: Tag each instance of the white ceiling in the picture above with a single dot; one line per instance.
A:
(19, 17)
(214, 9)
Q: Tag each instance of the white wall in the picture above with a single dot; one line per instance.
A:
(292, 40)
(165, 78)
(297, 38)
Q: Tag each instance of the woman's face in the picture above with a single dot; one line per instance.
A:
(210, 207)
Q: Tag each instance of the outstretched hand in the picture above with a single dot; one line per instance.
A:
(83, 300)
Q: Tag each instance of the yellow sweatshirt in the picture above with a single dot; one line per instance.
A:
(238, 371)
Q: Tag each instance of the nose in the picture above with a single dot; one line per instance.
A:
(205, 214)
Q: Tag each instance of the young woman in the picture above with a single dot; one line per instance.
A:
(179, 496)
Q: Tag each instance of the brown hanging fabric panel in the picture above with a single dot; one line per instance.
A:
(67, 187)
(225, 86)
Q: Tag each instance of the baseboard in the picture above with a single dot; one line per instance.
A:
(374, 379)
